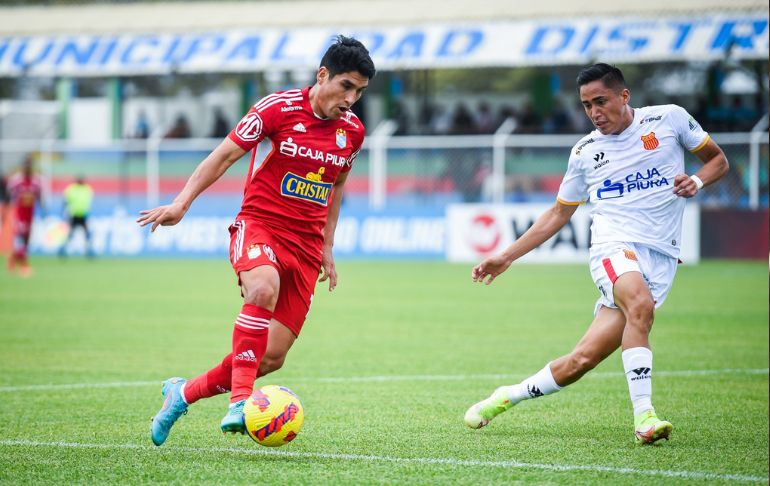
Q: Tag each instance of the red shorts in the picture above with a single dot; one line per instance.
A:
(252, 245)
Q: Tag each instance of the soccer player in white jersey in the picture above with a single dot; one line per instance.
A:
(632, 169)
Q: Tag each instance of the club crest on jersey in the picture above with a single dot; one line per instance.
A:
(253, 251)
(649, 141)
(310, 188)
(341, 138)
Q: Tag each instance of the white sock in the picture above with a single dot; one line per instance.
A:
(537, 385)
(637, 363)
(181, 392)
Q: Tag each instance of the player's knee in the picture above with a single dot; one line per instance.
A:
(260, 293)
(641, 312)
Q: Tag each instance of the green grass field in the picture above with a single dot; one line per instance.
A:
(386, 366)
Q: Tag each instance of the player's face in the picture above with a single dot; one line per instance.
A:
(607, 108)
(337, 94)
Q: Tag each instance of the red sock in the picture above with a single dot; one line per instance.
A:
(249, 344)
(213, 382)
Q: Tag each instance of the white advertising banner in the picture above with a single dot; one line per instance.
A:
(510, 43)
(475, 231)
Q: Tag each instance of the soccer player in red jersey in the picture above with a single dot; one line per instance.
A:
(284, 232)
(25, 191)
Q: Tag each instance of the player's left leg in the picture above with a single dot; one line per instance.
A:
(602, 338)
(260, 286)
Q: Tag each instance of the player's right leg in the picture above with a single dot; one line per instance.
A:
(602, 338)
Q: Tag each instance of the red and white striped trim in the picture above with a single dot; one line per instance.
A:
(269, 100)
(353, 156)
(238, 247)
(613, 276)
(251, 322)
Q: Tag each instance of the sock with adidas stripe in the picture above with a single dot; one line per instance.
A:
(637, 363)
(249, 344)
(213, 382)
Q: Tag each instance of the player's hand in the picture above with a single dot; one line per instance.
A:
(167, 215)
(490, 268)
(684, 186)
(328, 271)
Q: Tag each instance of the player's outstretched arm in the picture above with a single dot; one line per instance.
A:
(548, 224)
(207, 172)
(715, 166)
(328, 269)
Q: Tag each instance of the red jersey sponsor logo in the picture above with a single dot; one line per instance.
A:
(288, 147)
(309, 188)
(249, 128)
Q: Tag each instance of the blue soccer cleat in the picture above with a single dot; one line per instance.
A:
(173, 407)
(234, 421)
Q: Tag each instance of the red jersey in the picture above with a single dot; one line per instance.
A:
(291, 189)
(24, 194)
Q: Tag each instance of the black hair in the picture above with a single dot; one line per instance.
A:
(609, 75)
(345, 55)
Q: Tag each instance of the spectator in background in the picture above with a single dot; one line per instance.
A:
(462, 121)
(424, 117)
(507, 112)
(78, 197)
(25, 191)
(401, 116)
(741, 118)
(530, 121)
(221, 126)
(180, 129)
(463, 164)
(557, 120)
(485, 121)
(142, 129)
(440, 121)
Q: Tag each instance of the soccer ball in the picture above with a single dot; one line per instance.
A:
(273, 415)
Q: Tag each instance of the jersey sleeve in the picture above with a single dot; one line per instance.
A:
(689, 132)
(357, 144)
(254, 126)
(573, 189)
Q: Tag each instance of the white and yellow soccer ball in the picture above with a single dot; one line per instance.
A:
(273, 415)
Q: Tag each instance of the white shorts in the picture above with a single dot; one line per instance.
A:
(611, 260)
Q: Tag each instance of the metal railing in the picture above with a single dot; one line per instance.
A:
(414, 170)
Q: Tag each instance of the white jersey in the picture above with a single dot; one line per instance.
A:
(630, 178)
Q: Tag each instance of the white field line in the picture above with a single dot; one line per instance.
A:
(702, 475)
(387, 378)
